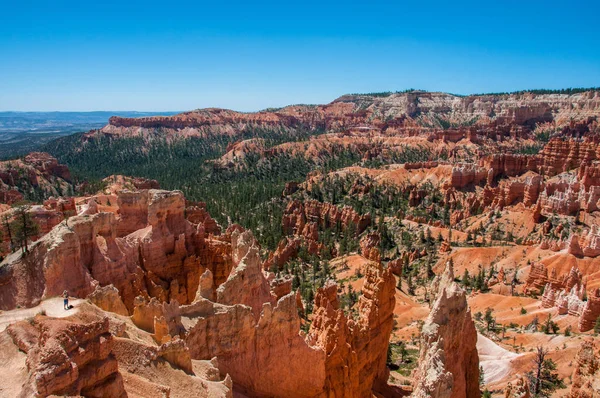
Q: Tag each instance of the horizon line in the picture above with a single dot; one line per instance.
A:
(542, 91)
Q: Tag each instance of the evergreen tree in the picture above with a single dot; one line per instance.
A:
(466, 279)
(543, 379)
(489, 318)
(24, 227)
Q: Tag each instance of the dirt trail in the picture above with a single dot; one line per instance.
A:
(53, 307)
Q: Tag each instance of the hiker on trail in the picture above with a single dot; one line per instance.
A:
(66, 297)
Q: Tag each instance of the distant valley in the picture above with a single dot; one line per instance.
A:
(23, 132)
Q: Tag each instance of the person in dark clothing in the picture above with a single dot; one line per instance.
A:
(66, 297)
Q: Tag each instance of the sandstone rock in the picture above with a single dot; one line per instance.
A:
(69, 358)
(356, 351)
(573, 246)
(145, 312)
(206, 286)
(281, 286)
(286, 249)
(590, 311)
(107, 298)
(246, 283)
(297, 214)
(586, 383)
(267, 356)
(176, 353)
(448, 361)
(467, 174)
(369, 246)
(562, 155)
(520, 389)
(195, 212)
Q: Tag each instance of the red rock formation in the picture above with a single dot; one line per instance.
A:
(396, 266)
(195, 212)
(297, 214)
(590, 311)
(301, 222)
(467, 174)
(281, 286)
(107, 298)
(286, 249)
(37, 169)
(573, 246)
(369, 246)
(563, 155)
(448, 361)
(116, 183)
(355, 351)
(267, 355)
(508, 165)
(537, 278)
(246, 284)
(445, 247)
(47, 165)
(149, 249)
(519, 390)
(586, 383)
(69, 358)
(496, 117)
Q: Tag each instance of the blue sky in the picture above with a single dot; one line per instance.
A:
(153, 56)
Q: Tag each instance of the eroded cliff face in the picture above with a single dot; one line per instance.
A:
(37, 170)
(264, 351)
(200, 296)
(146, 247)
(388, 113)
(586, 383)
(66, 357)
(448, 360)
(355, 349)
(301, 223)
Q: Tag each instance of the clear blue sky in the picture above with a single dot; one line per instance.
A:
(152, 56)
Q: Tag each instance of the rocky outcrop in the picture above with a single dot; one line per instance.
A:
(298, 215)
(568, 294)
(562, 155)
(355, 350)
(267, 356)
(507, 165)
(302, 221)
(147, 315)
(520, 388)
(590, 311)
(504, 116)
(448, 360)
(116, 183)
(147, 248)
(69, 357)
(37, 170)
(246, 284)
(107, 298)
(286, 249)
(265, 352)
(195, 212)
(586, 383)
(464, 175)
(369, 246)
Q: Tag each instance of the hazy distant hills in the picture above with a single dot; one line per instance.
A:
(22, 132)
